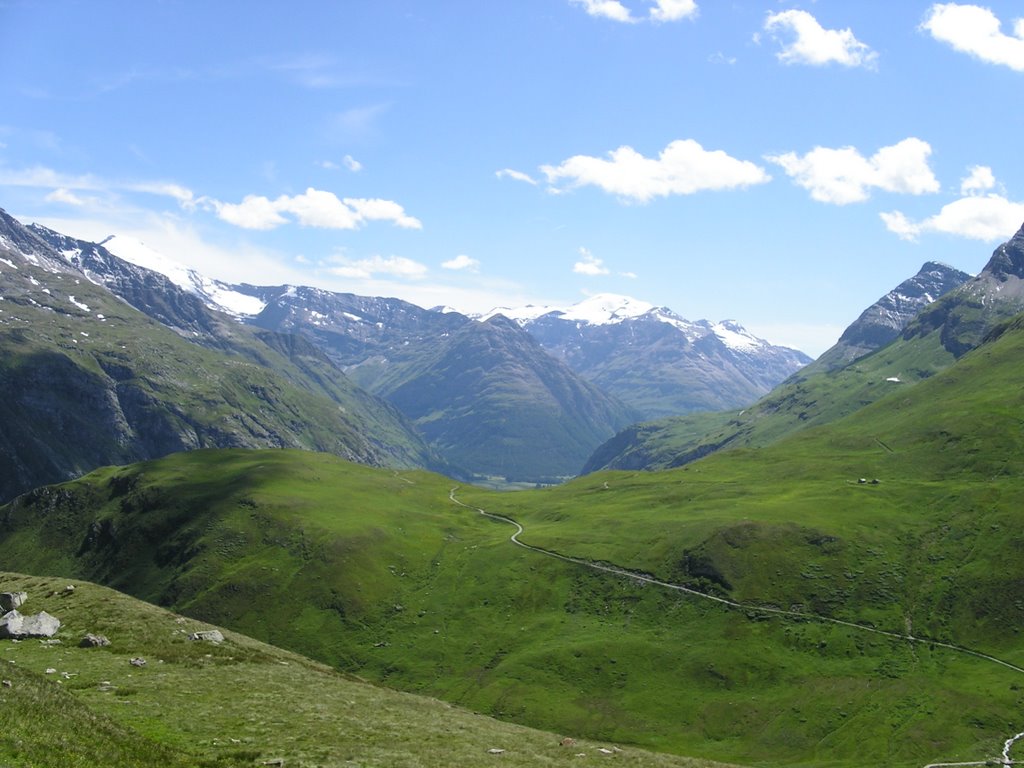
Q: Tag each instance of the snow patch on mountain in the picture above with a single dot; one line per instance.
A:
(736, 337)
(601, 309)
(611, 309)
(216, 294)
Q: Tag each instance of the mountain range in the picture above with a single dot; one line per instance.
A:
(919, 328)
(533, 397)
(653, 359)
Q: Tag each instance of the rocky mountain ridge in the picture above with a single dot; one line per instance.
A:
(87, 379)
(654, 360)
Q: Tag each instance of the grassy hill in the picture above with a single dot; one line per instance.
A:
(237, 703)
(379, 573)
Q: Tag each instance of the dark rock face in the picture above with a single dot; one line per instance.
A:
(10, 601)
(1008, 259)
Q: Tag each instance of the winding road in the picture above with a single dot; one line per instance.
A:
(648, 579)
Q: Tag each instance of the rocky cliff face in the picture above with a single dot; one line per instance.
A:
(884, 320)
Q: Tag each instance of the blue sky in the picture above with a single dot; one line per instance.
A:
(780, 163)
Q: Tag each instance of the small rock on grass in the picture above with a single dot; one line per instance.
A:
(93, 641)
(209, 635)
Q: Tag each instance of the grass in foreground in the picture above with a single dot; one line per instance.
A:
(238, 703)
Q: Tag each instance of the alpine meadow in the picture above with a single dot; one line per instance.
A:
(334, 432)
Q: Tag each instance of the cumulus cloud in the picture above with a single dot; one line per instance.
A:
(366, 269)
(663, 10)
(589, 265)
(812, 44)
(684, 167)
(313, 208)
(980, 179)
(352, 164)
(508, 173)
(987, 217)
(844, 175)
(978, 215)
(673, 10)
(976, 30)
(462, 261)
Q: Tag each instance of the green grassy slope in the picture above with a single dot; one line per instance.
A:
(240, 703)
(379, 573)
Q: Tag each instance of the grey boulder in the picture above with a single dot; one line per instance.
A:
(14, 625)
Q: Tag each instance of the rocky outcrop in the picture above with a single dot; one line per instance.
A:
(17, 627)
(208, 635)
(94, 641)
(10, 601)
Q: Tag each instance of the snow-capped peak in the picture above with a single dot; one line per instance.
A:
(601, 309)
(215, 293)
(606, 309)
(735, 336)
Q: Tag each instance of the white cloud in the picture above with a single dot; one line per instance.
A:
(987, 218)
(813, 44)
(462, 261)
(508, 173)
(254, 212)
(608, 9)
(313, 208)
(629, 275)
(383, 210)
(673, 10)
(844, 175)
(589, 265)
(975, 30)
(663, 10)
(62, 195)
(684, 167)
(167, 189)
(981, 179)
(393, 266)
